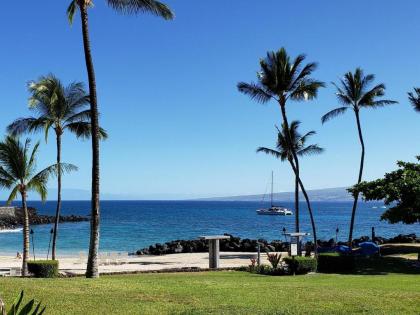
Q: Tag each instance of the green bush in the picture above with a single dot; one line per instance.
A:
(267, 270)
(300, 265)
(43, 268)
(335, 263)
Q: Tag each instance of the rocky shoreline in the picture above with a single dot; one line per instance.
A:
(13, 221)
(236, 244)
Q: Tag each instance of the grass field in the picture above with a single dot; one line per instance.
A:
(223, 292)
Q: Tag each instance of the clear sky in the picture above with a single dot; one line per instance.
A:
(168, 98)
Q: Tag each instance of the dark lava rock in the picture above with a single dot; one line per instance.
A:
(15, 221)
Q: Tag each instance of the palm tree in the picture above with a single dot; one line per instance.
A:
(415, 99)
(281, 79)
(125, 7)
(356, 93)
(284, 152)
(60, 108)
(18, 172)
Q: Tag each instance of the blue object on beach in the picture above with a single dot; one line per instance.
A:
(342, 249)
(368, 249)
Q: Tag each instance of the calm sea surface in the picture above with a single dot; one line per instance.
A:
(131, 225)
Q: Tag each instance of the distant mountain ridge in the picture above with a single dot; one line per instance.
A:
(327, 194)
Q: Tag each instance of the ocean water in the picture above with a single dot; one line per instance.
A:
(131, 225)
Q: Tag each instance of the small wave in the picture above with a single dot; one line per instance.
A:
(11, 231)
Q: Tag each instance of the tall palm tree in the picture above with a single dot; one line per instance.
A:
(60, 108)
(282, 79)
(355, 92)
(414, 99)
(133, 7)
(284, 153)
(18, 172)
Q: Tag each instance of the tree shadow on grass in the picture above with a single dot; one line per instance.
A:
(385, 265)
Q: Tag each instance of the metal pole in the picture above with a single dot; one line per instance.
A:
(272, 179)
(258, 254)
(49, 244)
(373, 234)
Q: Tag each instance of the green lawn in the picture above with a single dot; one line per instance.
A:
(223, 292)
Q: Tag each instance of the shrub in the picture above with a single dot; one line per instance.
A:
(300, 265)
(267, 270)
(335, 263)
(43, 268)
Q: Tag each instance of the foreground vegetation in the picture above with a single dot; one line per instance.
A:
(223, 292)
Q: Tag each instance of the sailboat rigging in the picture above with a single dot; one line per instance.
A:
(274, 210)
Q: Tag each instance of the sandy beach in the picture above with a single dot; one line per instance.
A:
(74, 265)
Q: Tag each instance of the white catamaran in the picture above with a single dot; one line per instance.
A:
(274, 210)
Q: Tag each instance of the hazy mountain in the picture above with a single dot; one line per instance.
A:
(327, 194)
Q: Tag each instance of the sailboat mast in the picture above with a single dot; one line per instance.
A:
(272, 179)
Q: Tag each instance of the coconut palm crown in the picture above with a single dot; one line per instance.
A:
(281, 79)
(18, 173)
(355, 92)
(58, 107)
(283, 151)
(126, 7)
(414, 98)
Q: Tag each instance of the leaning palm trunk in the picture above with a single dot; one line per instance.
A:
(92, 265)
(356, 195)
(309, 209)
(25, 235)
(296, 160)
(57, 213)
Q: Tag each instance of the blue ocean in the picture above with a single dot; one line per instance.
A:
(131, 225)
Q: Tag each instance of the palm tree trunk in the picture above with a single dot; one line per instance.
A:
(362, 161)
(57, 212)
(25, 235)
(282, 103)
(311, 215)
(297, 230)
(92, 270)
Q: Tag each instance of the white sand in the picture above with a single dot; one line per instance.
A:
(76, 265)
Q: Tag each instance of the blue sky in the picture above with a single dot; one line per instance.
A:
(167, 90)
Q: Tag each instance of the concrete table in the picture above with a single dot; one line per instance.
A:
(214, 249)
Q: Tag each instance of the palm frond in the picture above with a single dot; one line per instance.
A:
(25, 125)
(83, 130)
(6, 179)
(39, 181)
(312, 149)
(306, 90)
(142, 6)
(415, 99)
(272, 152)
(12, 195)
(71, 11)
(333, 113)
(83, 116)
(254, 91)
